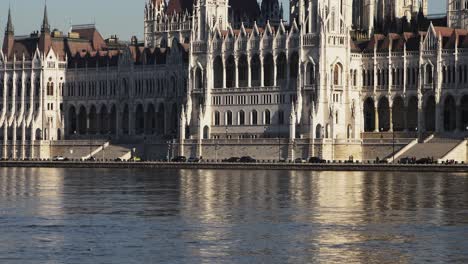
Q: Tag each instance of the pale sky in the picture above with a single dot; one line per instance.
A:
(121, 17)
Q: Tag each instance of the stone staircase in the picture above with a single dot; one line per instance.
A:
(434, 147)
(112, 152)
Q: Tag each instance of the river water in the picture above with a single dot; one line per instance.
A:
(207, 216)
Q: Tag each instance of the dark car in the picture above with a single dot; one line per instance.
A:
(406, 161)
(193, 160)
(91, 159)
(247, 159)
(232, 160)
(424, 161)
(179, 159)
(316, 160)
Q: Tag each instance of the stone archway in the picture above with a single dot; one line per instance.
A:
(430, 114)
(255, 70)
(230, 72)
(82, 121)
(125, 120)
(398, 114)
(268, 70)
(93, 122)
(139, 120)
(72, 118)
(450, 113)
(464, 113)
(150, 120)
(113, 120)
(412, 114)
(369, 115)
(218, 70)
(103, 120)
(384, 114)
(161, 123)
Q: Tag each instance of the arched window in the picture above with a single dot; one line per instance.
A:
(229, 118)
(243, 71)
(318, 131)
(429, 74)
(281, 117)
(241, 118)
(50, 89)
(268, 67)
(281, 67)
(310, 69)
(217, 118)
(267, 117)
(293, 66)
(254, 117)
(37, 87)
(218, 69)
(230, 72)
(255, 70)
(337, 74)
(206, 132)
(198, 79)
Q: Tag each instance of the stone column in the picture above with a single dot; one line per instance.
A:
(275, 73)
(262, 73)
(391, 118)
(23, 140)
(13, 141)
(31, 151)
(420, 118)
(438, 118)
(224, 72)
(249, 72)
(5, 140)
(376, 110)
(236, 81)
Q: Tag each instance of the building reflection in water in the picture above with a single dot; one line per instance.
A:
(208, 216)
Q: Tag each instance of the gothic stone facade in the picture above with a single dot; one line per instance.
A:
(227, 88)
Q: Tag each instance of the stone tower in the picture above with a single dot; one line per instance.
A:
(457, 14)
(209, 14)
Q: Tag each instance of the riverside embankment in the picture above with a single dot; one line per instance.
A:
(239, 166)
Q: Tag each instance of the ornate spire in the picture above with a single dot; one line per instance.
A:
(9, 28)
(45, 22)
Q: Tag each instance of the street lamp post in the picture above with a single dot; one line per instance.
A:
(393, 146)
(279, 144)
(73, 144)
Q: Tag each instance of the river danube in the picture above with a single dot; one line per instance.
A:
(207, 216)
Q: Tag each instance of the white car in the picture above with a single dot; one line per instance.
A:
(58, 158)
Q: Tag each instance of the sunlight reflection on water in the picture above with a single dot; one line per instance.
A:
(205, 216)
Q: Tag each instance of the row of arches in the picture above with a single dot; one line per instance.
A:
(107, 120)
(231, 73)
(29, 134)
(405, 117)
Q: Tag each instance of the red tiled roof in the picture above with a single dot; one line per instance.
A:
(179, 6)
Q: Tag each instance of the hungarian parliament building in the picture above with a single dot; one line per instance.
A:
(229, 78)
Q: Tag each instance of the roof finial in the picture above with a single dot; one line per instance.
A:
(9, 28)
(45, 22)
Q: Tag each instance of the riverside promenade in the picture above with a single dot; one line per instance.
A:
(238, 166)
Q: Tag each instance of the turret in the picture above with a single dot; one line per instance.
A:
(45, 38)
(9, 39)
